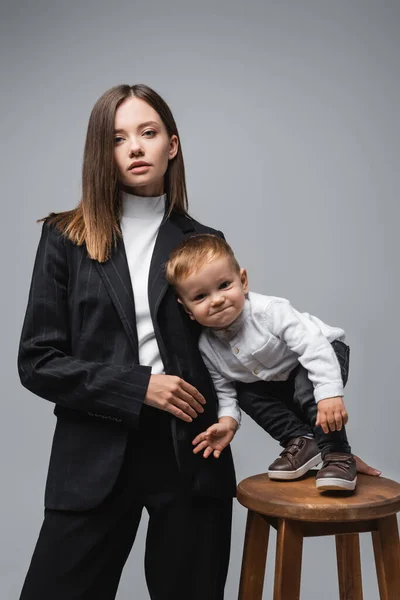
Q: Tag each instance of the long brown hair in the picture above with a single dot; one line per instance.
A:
(95, 221)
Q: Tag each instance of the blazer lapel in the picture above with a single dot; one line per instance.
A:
(171, 232)
(116, 277)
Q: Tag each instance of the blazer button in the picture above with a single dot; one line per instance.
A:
(256, 371)
(236, 350)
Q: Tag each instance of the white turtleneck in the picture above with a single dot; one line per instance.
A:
(140, 222)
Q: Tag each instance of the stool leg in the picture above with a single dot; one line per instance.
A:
(254, 557)
(387, 557)
(289, 549)
(349, 566)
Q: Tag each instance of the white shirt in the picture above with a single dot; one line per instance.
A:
(266, 341)
(140, 222)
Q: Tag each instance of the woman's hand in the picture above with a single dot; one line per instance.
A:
(174, 395)
(215, 438)
(362, 467)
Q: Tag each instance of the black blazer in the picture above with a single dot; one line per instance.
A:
(79, 349)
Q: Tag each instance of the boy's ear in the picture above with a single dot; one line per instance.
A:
(244, 280)
(186, 310)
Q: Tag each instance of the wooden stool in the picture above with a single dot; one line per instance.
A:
(297, 510)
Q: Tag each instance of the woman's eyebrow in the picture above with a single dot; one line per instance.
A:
(140, 126)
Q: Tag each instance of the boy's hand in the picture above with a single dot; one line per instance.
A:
(215, 438)
(332, 414)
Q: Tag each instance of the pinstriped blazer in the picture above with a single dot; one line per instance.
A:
(79, 349)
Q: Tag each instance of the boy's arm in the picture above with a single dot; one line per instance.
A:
(317, 357)
(228, 405)
(314, 351)
(218, 436)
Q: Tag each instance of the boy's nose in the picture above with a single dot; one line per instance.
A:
(218, 299)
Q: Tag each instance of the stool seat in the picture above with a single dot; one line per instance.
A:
(297, 510)
(374, 497)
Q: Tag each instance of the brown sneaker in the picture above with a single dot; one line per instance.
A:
(299, 456)
(338, 472)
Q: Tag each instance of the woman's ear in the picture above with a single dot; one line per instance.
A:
(173, 147)
(186, 310)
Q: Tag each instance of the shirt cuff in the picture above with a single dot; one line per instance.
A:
(230, 412)
(328, 390)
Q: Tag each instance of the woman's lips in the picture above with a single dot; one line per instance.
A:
(141, 169)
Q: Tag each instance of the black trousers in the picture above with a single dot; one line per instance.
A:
(80, 555)
(287, 409)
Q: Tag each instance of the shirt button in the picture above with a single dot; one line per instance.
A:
(236, 350)
(255, 371)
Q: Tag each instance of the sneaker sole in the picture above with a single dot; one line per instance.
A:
(335, 483)
(289, 475)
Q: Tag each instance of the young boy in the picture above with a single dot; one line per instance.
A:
(285, 365)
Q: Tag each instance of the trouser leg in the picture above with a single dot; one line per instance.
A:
(188, 546)
(270, 404)
(80, 555)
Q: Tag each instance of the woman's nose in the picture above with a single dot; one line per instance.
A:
(135, 148)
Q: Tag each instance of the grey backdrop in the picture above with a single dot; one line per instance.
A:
(289, 120)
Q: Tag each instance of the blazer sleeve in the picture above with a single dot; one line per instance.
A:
(46, 366)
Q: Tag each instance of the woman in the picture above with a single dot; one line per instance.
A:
(99, 309)
(106, 341)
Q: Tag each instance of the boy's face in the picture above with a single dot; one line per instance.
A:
(215, 294)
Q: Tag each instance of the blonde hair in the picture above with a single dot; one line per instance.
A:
(193, 253)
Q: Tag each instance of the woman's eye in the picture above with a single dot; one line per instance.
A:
(149, 131)
(117, 139)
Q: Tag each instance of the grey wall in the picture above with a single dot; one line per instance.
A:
(289, 121)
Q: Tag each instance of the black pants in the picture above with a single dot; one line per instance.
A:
(80, 555)
(287, 409)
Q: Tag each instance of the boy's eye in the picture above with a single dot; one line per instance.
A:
(224, 284)
(199, 297)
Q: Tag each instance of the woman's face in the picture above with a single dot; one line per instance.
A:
(142, 148)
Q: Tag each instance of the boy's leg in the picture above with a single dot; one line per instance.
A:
(339, 469)
(334, 441)
(267, 403)
(187, 546)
